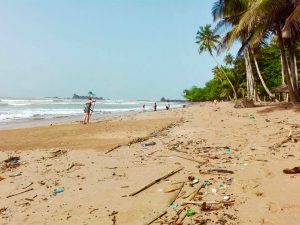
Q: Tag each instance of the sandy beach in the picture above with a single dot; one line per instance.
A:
(213, 164)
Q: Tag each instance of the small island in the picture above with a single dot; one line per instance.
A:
(75, 96)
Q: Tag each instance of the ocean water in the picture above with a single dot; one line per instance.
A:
(17, 109)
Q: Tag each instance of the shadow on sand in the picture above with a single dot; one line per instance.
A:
(279, 107)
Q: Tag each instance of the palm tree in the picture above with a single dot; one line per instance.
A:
(227, 13)
(229, 60)
(208, 41)
(280, 17)
(90, 93)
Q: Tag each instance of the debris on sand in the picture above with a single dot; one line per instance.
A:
(57, 153)
(12, 162)
(292, 171)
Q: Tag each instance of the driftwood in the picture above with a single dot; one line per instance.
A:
(110, 150)
(156, 217)
(176, 196)
(221, 171)
(156, 181)
(19, 193)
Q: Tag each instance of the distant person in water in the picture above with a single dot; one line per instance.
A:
(155, 106)
(167, 106)
(143, 107)
(87, 110)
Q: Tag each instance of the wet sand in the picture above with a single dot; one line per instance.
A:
(231, 161)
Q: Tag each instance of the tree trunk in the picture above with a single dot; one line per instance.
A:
(260, 76)
(292, 95)
(251, 92)
(234, 92)
(293, 63)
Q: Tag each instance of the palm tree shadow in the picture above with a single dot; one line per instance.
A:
(280, 107)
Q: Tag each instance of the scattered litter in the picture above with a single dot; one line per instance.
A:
(190, 212)
(195, 181)
(226, 198)
(4, 211)
(228, 150)
(173, 206)
(146, 144)
(251, 117)
(57, 153)
(214, 190)
(16, 174)
(222, 186)
(75, 164)
(56, 191)
(229, 180)
(159, 190)
(206, 183)
(12, 162)
(205, 193)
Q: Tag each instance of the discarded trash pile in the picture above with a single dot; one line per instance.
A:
(202, 198)
(11, 163)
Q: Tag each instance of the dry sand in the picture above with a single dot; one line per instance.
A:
(199, 139)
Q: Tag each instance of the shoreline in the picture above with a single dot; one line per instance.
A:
(223, 152)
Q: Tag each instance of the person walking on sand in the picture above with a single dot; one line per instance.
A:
(155, 106)
(87, 110)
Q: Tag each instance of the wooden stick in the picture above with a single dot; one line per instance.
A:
(156, 217)
(208, 202)
(156, 181)
(19, 193)
(31, 183)
(176, 196)
(221, 171)
(31, 199)
(194, 160)
(198, 203)
(110, 150)
(194, 195)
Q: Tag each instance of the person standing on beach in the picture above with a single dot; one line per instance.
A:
(143, 107)
(155, 106)
(87, 110)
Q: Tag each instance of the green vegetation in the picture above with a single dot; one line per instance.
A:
(269, 32)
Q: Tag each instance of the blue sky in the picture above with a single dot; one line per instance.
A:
(119, 49)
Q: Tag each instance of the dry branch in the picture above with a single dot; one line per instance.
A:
(156, 217)
(19, 193)
(176, 196)
(110, 150)
(156, 181)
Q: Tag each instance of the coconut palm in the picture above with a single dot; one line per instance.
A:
(208, 41)
(280, 17)
(90, 93)
(229, 60)
(228, 13)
